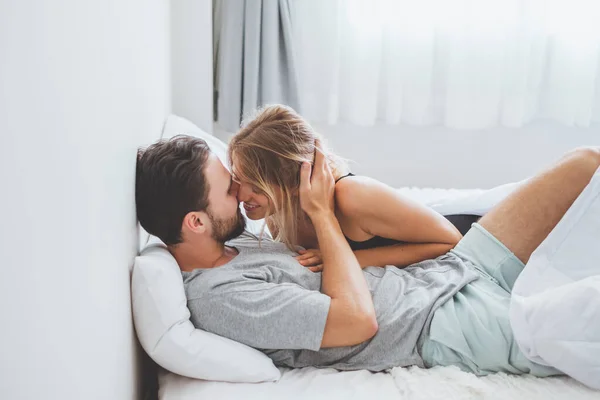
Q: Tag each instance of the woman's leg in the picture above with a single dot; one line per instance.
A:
(524, 219)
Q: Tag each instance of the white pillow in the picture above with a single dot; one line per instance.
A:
(175, 125)
(162, 322)
(161, 316)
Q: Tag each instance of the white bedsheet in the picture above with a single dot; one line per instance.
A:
(444, 383)
(303, 383)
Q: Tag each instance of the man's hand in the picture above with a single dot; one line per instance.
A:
(316, 186)
(311, 259)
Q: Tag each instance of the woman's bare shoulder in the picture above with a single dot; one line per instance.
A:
(356, 192)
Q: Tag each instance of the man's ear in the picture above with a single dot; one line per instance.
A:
(196, 222)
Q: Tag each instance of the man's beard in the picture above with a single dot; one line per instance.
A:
(226, 229)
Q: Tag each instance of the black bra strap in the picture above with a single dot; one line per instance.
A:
(345, 176)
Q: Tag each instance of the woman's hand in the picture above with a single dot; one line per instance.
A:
(316, 185)
(311, 259)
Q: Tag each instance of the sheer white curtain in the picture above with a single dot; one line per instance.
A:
(466, 64)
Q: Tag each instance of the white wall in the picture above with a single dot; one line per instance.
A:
(192, 61)
(82, 85)
(441, 157)
(445, 158)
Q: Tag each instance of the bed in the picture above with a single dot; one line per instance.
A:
(398, 383)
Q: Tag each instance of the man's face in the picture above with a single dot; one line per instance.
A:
(223, 210)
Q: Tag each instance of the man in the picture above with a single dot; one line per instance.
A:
(449, 311)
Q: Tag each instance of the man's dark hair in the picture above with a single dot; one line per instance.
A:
(170, 183)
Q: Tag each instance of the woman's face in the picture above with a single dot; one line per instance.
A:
(255, 202)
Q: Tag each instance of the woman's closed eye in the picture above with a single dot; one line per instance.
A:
(252, 187)
(255, 190)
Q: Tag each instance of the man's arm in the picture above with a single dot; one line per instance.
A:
(351, 319)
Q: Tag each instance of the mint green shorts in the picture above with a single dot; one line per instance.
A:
(472, 330)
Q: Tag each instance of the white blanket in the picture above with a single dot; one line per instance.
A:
(555, 307)
(453, 201)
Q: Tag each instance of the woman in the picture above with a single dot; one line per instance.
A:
(382, 226)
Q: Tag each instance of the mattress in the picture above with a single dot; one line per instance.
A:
(398, 383)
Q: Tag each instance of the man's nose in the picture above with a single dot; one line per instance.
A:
(243, 192)
(235, 187)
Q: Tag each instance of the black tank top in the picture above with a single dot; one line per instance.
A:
(462, 222)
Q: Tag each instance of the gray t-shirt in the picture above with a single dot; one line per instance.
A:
(265, 299)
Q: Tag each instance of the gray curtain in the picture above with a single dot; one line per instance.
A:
(254, 58)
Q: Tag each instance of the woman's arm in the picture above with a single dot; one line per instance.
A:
(380, 256)
(379, 210)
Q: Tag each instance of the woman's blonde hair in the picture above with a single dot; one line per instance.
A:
(269, 150)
